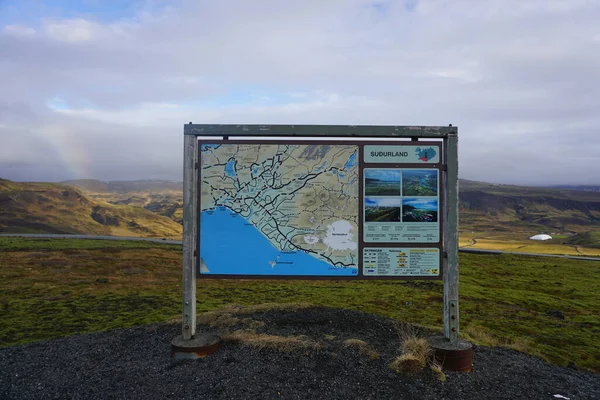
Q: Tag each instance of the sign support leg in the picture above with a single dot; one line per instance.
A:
(190, 227)
(451, 326)
(453, 353)
(189, 345)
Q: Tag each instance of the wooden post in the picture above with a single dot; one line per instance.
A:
(190, 229)
(451, 239)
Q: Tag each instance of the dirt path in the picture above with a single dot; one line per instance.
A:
(473, 243)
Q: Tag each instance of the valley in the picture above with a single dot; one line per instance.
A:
(504, 217)
(61, 209)
(497, 217)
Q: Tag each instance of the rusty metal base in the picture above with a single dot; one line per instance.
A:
(198, 347)
(452, 357)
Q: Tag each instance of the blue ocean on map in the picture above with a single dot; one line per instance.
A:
(231, 245)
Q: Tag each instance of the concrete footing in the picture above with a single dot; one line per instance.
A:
(198, 347)
(452, 356)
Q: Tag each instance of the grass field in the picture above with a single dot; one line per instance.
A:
(382, 189)
(519, 242)
(541, 306)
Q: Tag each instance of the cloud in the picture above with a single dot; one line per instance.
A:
(384, 175)
(424, 204)
(383, 201)
(73, 31)
(18, 30)
(519, 78)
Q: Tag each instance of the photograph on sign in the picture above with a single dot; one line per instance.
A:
(278, 209)
(404, 218)
(419, 182)
(419, 210)
(382, 182)
(382, 209)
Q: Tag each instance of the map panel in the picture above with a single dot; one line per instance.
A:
(279, 209)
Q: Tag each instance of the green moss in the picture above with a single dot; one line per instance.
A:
(40, 244)
(78, 288)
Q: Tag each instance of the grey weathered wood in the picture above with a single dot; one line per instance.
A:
(319, 130)
(190, 229)
(451, 326)
(449, 183)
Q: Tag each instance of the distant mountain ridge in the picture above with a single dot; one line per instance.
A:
(586, 188)
(485, 208)
(94, 185)
(522, 210)
(158, 196)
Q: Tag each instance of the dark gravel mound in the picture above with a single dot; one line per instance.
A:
(135, 364)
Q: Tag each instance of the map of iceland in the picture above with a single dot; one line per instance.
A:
(278, 209)
(425, 154)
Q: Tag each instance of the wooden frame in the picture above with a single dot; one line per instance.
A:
(448, 178)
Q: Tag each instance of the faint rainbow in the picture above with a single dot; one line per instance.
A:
(67, 143)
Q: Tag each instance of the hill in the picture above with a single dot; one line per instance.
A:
(161, 197)
(152, 186)
(573, 217)
(487, 211)
(57, 208)
(589, 188)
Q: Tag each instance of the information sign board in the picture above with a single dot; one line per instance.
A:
(380, 204)
(341, 210)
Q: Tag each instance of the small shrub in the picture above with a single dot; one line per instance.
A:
(408, 363)
(362, 347)
(419, 347)
(416, 351)
(436, 368)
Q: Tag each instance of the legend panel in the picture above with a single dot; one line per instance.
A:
(385, 261)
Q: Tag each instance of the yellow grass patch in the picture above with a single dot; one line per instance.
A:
(229, 315)
(261, 341)
(408, 363)
(255, 308)
(436, 368)
(416, 351)
(418, 347)
(362, 347)
(480, 336)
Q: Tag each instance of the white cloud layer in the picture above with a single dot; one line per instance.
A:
(107, 99)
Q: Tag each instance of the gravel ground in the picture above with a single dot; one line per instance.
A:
(135, 363)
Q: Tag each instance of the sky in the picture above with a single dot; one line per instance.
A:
(423, 204)
(389, 175)
(101, 88)
(383, 201)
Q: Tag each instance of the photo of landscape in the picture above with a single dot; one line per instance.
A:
(419, 210)
(382, 182)
(382, 209)
(419, 182)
